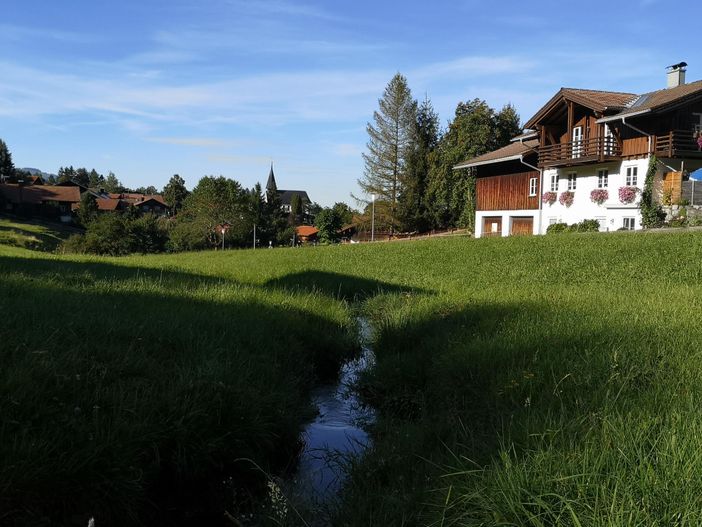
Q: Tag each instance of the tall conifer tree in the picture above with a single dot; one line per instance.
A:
(390, 140)
(7, 168)
(412, 207)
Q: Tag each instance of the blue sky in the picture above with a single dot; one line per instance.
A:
(151, 88)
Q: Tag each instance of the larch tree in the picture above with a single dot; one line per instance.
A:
(390, 139)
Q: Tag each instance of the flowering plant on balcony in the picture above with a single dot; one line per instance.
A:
(566, 198)
(599, 196)
(628, 194)
(549, 197)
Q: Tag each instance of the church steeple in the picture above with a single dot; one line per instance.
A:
(271, 186)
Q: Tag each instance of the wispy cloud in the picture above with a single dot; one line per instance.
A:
(197, 142)
(281, 7)
(10, 32)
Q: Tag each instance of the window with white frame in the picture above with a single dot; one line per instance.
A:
(629, 224)
(572, 180)
(532, 186)
(603, 178)
(577, 141)
(554, 183)
(608, 141)
(632, 176)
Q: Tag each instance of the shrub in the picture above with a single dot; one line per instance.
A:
(651, 213)
(566, 198)
(549, 197)
(680, 221)
(599, 196)
(116, 235)
(585, 226)
(556, 228)
(627, 194)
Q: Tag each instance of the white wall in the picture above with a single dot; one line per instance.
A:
(611, 214)
(506, 216)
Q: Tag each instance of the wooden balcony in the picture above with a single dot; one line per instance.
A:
(593, 150)
(677, 143)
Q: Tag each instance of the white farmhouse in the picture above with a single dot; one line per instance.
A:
(585, 155)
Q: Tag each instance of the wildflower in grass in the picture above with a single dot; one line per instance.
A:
(599, 196)
(278, 500)
(566, 198)
(628, 194)
(549, 197)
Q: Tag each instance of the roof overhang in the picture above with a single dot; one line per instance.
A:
(524, 136)
(517, 157)
(620, 116)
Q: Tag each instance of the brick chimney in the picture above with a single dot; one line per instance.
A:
(676, 74)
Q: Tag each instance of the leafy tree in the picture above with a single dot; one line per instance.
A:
(88, 210)
(389, 145)
(328, 221)
(174, 193)
(146, 234)
(475, 130)
(119, 234)
(313, 209)
(7, 167)
(344, 212)
(214, 201)
(412, 206)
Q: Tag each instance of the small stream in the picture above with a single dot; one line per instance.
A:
(337, 431)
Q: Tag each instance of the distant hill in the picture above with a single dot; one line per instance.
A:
(37, 172)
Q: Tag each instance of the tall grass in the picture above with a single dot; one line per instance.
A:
(539, 381)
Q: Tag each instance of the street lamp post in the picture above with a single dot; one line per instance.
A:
(373, 220)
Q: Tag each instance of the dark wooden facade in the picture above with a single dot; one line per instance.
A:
(507, 192)
(672, 135)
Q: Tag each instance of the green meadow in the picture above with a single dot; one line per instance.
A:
(527, 381)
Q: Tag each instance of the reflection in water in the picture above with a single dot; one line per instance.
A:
(336, 432)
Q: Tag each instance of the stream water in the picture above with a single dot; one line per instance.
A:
(337, 432)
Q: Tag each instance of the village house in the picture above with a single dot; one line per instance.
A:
(41, 201)
(33, 198)
(585, 155)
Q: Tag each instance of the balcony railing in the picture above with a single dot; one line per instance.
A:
(677, 143)
(577, 152)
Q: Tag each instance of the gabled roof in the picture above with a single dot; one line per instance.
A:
(287, 195)
(660, 100)
(599, 101)
(108, 204)
(306, 230)
(155, 199)
(511, 152)
(40, 193)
